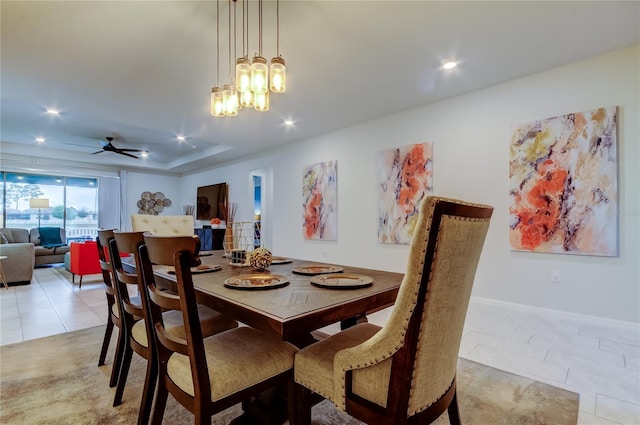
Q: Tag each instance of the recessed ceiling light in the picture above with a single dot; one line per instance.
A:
(449, 65)
(288, 122)
(181, 138)
(52, 111)
(40, 139)
(194, 147)
(144, 154)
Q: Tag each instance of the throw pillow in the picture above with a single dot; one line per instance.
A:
(4, 239)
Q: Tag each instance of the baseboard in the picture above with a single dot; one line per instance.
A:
(594, 320)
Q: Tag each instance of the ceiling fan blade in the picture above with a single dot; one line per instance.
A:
(96, 152)
(131, 150)
(127, 154)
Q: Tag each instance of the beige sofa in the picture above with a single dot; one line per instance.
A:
(20, 253)
(48, 255)
(163, 225)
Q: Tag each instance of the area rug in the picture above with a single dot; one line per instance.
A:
(87, 279)
(56, 380)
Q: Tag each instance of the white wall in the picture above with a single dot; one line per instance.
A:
(137, 183)
(470, 136)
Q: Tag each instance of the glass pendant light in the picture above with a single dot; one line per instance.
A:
(246, 99)
(243, 75)
(243, 65)
(259, 75)
(278, 70)
(259, 71)
(278, 75)
(230, 100)
(217, 105)
(262, 101)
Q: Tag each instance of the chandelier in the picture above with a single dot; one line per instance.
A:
(250, 81)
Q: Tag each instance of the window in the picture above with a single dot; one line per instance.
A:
(72, 203)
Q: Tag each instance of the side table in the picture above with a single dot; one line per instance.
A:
(3, 278)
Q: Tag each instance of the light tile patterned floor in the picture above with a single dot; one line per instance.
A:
(599, 361)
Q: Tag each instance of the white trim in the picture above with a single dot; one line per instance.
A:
(602, 321)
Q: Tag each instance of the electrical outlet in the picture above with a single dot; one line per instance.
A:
(555, 276)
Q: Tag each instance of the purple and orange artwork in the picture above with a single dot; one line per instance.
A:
(405, 177)
(563, 184)
(320, 201)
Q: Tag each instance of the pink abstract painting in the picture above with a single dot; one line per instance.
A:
(320, 201)
(563, 184)
(405, 177)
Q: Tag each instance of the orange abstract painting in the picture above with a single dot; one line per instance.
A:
(320, 201)
(405, 177)
(563, 184)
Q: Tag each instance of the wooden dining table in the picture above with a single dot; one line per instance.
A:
(293, 311)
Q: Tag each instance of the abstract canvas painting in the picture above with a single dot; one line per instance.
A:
(563, 184)
(405, 177)
(320, 201)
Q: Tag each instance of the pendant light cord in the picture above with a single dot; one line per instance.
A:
(278, 28)
(229, 27)
(260, 27)
(217, 43)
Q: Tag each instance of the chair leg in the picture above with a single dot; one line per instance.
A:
(122, 378)
(80, 284)
(302, 402)
(150, 381)
(73, 278)
(454, 412)
(159, 404)
(117, 358)
(105, 342)
(291, 402)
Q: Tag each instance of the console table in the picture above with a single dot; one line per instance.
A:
(210, 239)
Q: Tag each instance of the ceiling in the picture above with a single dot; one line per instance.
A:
(142, 71)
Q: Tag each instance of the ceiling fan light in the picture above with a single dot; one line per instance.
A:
(262, 101)
(230, 100)
(243, 75)
(259, 75)
(278, 75)
(217, 106)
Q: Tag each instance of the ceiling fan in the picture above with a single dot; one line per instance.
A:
(109, 147)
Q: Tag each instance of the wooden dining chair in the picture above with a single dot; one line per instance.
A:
(206, 375)
(140, 335)
(113, 309)
(405, 372)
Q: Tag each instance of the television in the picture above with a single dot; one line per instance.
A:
(211, 202)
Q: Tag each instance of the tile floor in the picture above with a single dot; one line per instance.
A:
(599, 361)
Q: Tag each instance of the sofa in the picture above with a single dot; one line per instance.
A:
(48, 255)
(20, 253)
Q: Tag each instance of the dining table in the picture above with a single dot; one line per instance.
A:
(294, 306)
(299, 297)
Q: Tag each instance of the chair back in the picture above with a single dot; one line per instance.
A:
(422, 336)
(102, 242)
(125, 242)
(164, 225)
(179, 252)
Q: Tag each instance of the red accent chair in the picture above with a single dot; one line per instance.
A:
(84, 260)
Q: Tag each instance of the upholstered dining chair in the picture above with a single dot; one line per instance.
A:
(113, 308)
(140, 335)
(206, 375)
(405, 372)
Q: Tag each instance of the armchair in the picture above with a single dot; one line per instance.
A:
(83, 260)
(405, 372)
